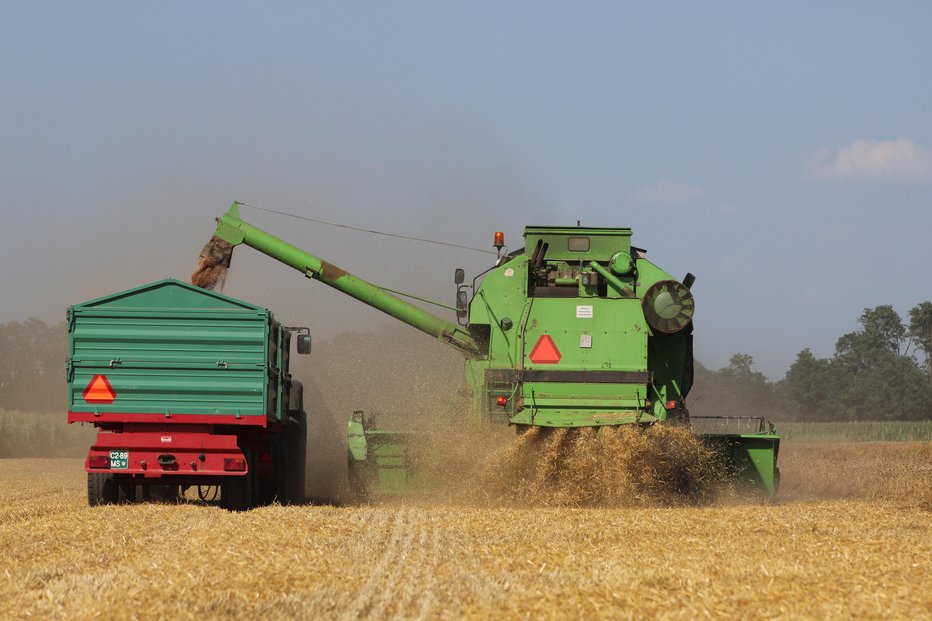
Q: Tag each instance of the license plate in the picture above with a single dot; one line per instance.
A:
(119, 460)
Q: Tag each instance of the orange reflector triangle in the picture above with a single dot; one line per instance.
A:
(545, 351)
(99, 390)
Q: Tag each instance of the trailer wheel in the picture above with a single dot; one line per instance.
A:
(102, 489)
(296, 397)
(236, 491)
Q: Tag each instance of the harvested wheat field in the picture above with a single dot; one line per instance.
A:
(851, 537)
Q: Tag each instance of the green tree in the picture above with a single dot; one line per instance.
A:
(920, 330)
(884, 323)
(736, 390)
(752, 392)
(807, 389)
(870, 377)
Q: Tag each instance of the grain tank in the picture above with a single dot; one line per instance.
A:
(576, 329)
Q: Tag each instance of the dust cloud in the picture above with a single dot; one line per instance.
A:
(411, 383)
(326, 469)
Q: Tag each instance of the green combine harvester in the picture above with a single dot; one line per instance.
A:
(576, 329)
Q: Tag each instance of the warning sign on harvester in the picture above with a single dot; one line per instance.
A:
(99, 390)
(545, 351)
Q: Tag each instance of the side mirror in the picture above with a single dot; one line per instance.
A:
(459, 276)
(462, 304)
(304, 343)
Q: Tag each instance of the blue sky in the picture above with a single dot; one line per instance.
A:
(780, 151)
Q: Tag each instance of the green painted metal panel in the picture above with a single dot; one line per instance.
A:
(750, 446)
(751, 459)
(169, 293)
(379, 460)
(566, 243)
(591, 335)
(172, 348)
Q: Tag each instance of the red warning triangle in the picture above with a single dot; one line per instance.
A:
(99, 390)
(545, 351)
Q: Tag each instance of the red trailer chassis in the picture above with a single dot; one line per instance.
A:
(143, 450)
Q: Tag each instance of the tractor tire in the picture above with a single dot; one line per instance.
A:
(102, 489)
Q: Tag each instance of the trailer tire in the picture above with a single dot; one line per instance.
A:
(296, 397)
(236, 492)
(102, 489)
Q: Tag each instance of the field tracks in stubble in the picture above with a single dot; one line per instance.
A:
(392, 551)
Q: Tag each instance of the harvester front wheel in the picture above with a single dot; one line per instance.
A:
(102, 489)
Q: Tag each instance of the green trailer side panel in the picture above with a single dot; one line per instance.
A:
(172, 348)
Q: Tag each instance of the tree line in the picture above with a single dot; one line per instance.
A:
(875, 373)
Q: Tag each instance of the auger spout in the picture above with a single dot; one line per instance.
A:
(232, 231)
